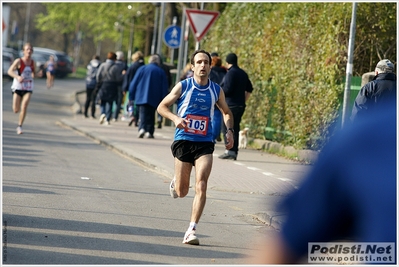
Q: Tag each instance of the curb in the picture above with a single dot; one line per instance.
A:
(303, 155)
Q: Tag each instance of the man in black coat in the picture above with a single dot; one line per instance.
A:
(377, 92)
(237, 88)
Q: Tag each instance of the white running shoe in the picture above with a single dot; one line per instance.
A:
(190, 238)
(172, 189)
(102, 118)
(19, 130)
(141, 133)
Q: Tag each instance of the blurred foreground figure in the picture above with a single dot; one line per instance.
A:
(349, 196)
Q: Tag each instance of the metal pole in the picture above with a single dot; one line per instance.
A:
(173, 50)
(186, 43)
(180, 56)
(27, 23)
(154, 34)
(349, 66)
(129, 52)
(121, 42)
(160, 28)
(98, 51)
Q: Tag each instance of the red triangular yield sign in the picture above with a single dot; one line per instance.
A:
(201, 21)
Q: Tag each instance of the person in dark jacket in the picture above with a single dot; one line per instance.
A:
(237, 88)
(216, 75)
(138, 61)
(148, 88)
(166, 69)
(377, 92)
(91, 93)
(108, 77)
(120, 61)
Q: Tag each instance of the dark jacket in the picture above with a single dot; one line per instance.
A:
(374, 94)
(217, 74)
(131, 71)
(108, 77)
(234, 85)
(91, 73)
(149, 85)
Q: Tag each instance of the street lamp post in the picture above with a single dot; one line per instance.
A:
(154, 34)
(119, 27)
(160, 28)
(129, 51)
(27, 18)
(131, 39)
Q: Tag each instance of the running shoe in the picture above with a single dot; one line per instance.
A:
(148, 135)
(141, 133)
(102, 118)
(19, 130)
(172, 189)
(190, 238)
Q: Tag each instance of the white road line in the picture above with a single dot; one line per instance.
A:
(267, 173)
(254, 169)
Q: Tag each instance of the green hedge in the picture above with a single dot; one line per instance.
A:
(295, 54)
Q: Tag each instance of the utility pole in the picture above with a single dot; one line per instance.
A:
(160, 28)
(27, 19)
(154, 34)
(349, 66)
(173, 50)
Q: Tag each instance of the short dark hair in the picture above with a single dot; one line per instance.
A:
(200, 51)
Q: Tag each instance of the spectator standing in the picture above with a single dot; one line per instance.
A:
(237, 87)
(343, 199)
(121, 64)
(193, 142)
(169, 76)
(148, 87)
(51, 66)
(376, 92)
(91, 94)
(138, 61)
(216, 75)
(108, 78)
(22, 70)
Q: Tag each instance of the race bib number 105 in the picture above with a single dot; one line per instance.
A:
(197, 124)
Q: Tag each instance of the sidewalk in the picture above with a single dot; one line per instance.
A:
(254, 172)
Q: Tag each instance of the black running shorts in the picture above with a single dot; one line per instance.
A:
(189, 151)
(21, 93)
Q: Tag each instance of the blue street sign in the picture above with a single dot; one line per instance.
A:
(171, 36)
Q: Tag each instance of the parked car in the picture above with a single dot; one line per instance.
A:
(40, 62)
(41, 56)
(8, 59)
(14, 52)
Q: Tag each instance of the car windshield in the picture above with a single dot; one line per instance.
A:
(62, 58)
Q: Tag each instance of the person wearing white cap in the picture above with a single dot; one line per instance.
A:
(377, 92)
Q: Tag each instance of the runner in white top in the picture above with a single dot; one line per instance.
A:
(23, 72)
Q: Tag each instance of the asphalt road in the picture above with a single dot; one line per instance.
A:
(68, 200)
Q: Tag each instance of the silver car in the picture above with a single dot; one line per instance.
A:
(8, 59)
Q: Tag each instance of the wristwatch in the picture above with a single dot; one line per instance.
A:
(231, 129)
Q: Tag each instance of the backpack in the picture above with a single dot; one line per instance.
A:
(91, 76)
